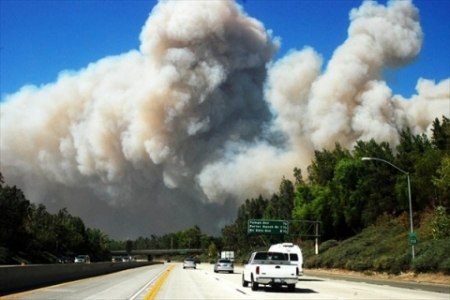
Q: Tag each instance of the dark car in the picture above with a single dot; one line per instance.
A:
(63, 259)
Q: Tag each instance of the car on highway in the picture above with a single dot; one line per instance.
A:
(293, 253)
(189, 263)
(117, 259)
(62, 259)
(82, 259)
(269, 269)
(223, 265)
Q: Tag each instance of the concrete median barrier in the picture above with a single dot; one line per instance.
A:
(19, 278)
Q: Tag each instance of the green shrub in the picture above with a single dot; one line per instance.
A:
(308, 249)
(383, 263)
(358, 265)
(327, 262)
(327, 245)
(384, 248)
(312, 262)
(444, 266)
(440, 224)
(430, 255)
(401, 263)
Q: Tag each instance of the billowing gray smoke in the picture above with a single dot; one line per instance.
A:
(182, 131)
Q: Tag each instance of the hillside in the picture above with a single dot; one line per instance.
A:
(383, 248)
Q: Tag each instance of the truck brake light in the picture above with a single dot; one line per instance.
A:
(297, 271)
(257, 270)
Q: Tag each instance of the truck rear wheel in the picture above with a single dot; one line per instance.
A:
(244, 283)
(254, 285)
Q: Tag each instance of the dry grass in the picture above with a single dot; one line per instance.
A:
(433, 278)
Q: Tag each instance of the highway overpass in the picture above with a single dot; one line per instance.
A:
(151, 252)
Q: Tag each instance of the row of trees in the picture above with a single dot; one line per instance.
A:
(342, 192)
(347, 194)
(30, 229)
(192, 238)
(27, 228)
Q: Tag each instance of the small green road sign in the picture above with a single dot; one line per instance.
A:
(183, 251)
(268, 227)
(413, 238)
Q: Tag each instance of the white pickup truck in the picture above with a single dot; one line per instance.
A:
(269, 268)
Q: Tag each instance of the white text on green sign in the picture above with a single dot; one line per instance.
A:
(268, 227)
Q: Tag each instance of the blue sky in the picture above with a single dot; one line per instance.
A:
(39, 39)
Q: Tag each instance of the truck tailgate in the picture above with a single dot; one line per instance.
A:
(278, 271)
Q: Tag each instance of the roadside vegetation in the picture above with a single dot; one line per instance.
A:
(30, 234)
(362, 208)
(383, 248)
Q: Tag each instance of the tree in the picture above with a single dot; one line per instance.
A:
(286, 197)
(230, 236)
(298, 177)
(417, 156)
(378, 184)
(193, 237)
(312, 203)
(250, 209)
(41, 228)
(321, 171)
(441, 134)
(97, 242)
(442, 181)
(15, 208)
(70, 232)
(347, 201)
(212, 251)
(142, 243)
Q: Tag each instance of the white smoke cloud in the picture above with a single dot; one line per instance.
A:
(199, 119)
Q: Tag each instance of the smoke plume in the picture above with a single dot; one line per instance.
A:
(184, 129)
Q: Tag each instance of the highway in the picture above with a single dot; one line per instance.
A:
(171, 281)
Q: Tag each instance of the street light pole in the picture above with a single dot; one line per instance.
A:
(409, 194)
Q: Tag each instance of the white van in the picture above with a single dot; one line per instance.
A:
(293, 252)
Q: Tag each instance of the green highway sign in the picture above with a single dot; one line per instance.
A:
(268, 227)
(413, 238)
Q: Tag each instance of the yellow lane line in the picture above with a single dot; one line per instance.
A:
(155, 289)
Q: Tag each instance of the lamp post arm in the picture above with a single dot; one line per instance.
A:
(385, 161)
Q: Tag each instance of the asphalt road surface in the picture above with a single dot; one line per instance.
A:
(171, 281)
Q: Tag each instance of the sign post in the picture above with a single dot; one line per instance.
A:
(268, 227)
